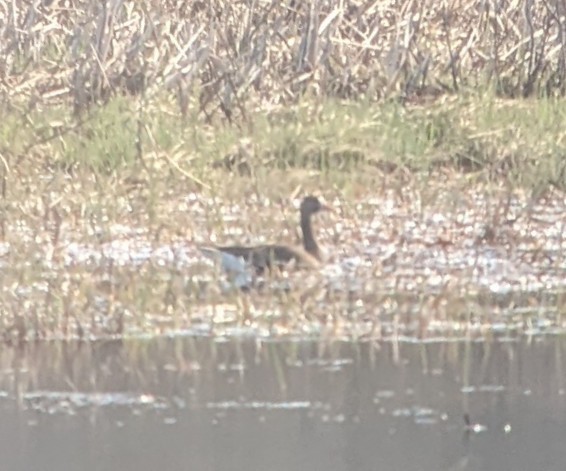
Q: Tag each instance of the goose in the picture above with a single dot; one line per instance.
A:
(266, 256)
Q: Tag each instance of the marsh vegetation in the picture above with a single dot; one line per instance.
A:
(132, 131)
(135, 132)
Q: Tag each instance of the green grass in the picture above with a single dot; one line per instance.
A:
(522, 141)
(74, 179)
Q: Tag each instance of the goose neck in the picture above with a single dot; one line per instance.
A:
(309, 241)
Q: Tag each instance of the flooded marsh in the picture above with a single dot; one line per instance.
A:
(421, 328)
(424, 263)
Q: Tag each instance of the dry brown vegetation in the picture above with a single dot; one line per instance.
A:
(120, 120)
(225, 58)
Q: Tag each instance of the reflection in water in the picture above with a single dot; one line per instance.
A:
(200, 403)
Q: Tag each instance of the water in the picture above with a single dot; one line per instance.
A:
(416, 264)
(200, 403)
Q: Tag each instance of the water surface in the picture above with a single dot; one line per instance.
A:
(200, 403)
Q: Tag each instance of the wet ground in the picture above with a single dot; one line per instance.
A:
(203, 403)
(404, 262)
(433, 338)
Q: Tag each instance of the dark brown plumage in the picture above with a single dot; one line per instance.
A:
(266, 256)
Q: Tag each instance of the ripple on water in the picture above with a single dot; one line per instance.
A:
(57, 402)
